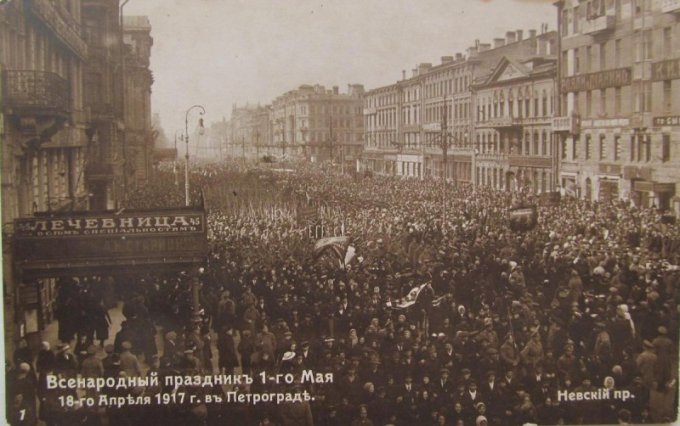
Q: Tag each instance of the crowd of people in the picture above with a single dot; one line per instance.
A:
(586, 300)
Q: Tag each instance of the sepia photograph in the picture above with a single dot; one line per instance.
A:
(340, 212)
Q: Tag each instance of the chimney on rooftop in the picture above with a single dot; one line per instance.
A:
(520, 35)
(403, 74)
(447, 59)
(532, 33)
(510, 36)
(484, 47)
(498, 42)
(459, 56)
(424, 67)
(336, 90)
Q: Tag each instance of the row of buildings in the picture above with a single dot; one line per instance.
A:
(310, 122)
(75, 122)
(592, 109)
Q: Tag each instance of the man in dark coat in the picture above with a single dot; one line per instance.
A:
(226, 349)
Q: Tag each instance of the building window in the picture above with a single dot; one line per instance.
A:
(637, 97)
(647, 44)
(603, 147)
(577, 107)
(589, 103)
(644, 148)
(646, 96)
(587, 148)
(535, 144)
(667, 41)
(617, 100)
(589, 58)
(603, 101)
(544, 144)
(666, 148)
(617, 147)
(668, 95)
(536, 107)
(574, 148)
(603, 56)
(545, 105)
(637, 7)
(577, 62)
(633, 144)
(564, 149)
(617, 53)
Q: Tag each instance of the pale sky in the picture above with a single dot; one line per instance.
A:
(220, 52)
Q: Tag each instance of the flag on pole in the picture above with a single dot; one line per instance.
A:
(408, 300)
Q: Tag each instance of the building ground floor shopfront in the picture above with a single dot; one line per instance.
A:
(635, 159)
(407, 165)
(638, 185)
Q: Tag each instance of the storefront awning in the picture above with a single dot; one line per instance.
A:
(647, 186)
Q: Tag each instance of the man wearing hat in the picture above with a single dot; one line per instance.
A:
(246, 348)
(308, 358)
(92, 366)
(490, 360)
(443, 386)
(107, 361)
(467, 376)
(23, 382)
(363, 419)
(664, 349)
(128, 361)
(646, 363)
(373, 372)
(472, 396)
(226, 350)
(489, 387)
(407, 390)
(350, 385)
(64, 361)
(170, 345)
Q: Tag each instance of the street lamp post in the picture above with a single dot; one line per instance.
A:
(174, 164)
(186, 139)
(444, 141)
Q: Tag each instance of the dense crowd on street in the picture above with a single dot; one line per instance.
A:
(586, 300)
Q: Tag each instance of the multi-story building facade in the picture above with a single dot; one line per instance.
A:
(43, 131)
(381, 140)
(317, 124)
(619, 110)
(513, 125)
(103, 92)
(446, 119)
(433, 131)
(250, 132)
(140, 137)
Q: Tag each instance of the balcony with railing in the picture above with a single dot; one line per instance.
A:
(505, 121)
(599, 24)
(67, 30)
(529, 161)
(99, 170)
(670, 6)
(29, 92)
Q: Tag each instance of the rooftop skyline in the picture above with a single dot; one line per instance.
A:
(223, 52)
